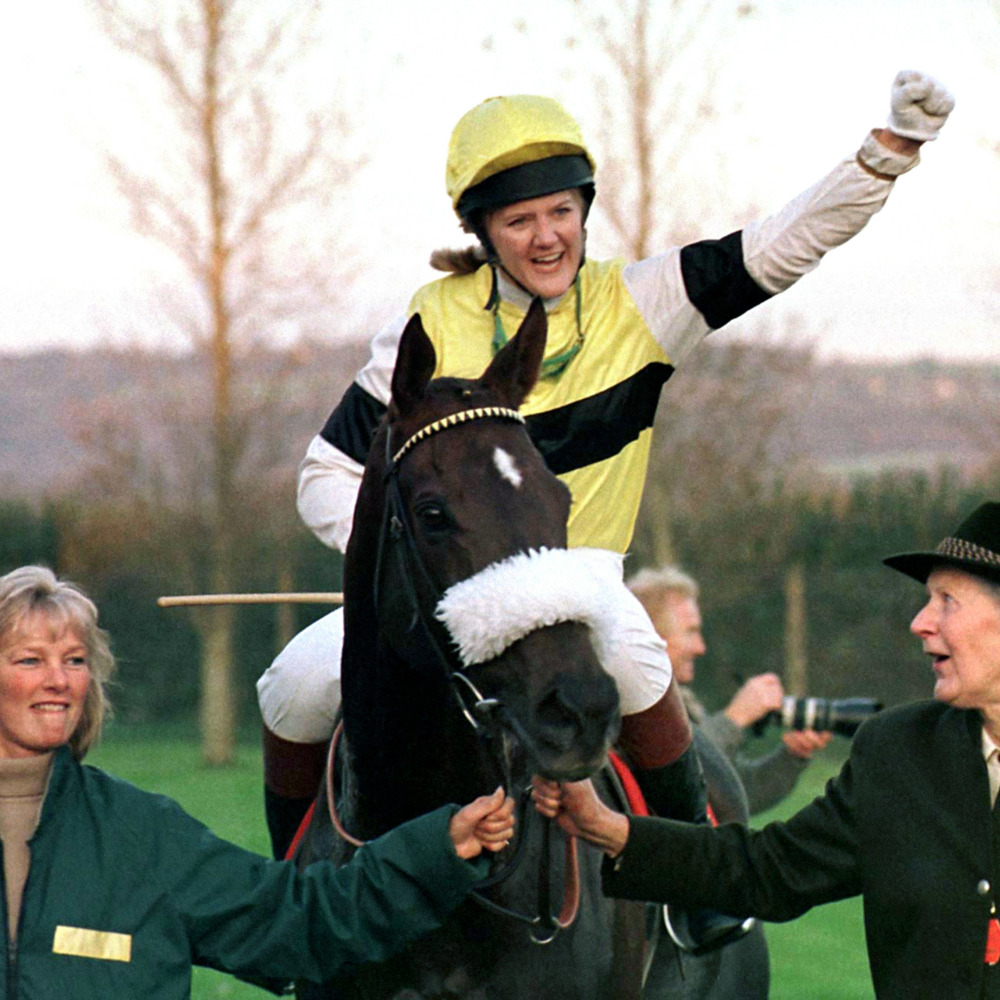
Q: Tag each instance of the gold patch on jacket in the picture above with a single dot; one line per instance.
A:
(86, 943)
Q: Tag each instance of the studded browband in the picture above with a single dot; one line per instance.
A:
(453, 420)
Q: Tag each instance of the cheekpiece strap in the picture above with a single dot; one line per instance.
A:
(453, 420)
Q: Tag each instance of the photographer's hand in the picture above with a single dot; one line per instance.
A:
(803, 743)
(755, 699)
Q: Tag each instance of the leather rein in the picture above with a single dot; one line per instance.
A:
(482, 714)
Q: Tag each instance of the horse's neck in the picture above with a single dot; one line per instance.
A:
(411, 750)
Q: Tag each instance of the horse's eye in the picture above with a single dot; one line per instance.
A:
(433, 516)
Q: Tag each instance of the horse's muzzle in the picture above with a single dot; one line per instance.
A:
(575, 724)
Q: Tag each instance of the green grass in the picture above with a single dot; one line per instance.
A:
(821, 956)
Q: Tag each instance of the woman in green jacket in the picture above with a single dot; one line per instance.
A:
(110, 891)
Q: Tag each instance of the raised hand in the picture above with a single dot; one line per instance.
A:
(919, 106)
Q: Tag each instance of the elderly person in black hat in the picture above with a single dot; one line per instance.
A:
(908, 823)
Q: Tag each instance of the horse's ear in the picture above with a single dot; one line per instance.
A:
(514, 371)
(415, 362)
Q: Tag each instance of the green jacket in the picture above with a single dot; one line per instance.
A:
(126, 891)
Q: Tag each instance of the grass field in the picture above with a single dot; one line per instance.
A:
(821, 956)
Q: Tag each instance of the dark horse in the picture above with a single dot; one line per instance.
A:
(453, 485)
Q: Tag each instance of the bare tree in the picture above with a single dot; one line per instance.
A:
(657, 94)
(239, 168)
(724, 441)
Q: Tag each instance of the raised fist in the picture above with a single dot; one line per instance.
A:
(919, 106)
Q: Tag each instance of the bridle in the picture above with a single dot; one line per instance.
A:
(483, 714)
(396, 526)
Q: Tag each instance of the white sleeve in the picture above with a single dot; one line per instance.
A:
(329, 478)
(376, 376)
(782, 248)
(328, 489)
(776, 251)
(657, 286)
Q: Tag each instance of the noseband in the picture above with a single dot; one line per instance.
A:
(483, 715)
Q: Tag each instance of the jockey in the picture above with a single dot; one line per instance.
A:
(522, 180)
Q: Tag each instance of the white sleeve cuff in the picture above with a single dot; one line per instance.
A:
(883, 160)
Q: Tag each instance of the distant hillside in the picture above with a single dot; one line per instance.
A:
(48, 399)
(859, 416)
(921, 414)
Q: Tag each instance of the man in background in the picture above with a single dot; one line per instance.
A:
(739, 784)
(670, 597)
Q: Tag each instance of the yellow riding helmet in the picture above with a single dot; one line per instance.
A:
(508, 149)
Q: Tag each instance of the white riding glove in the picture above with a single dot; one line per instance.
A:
(919, 106)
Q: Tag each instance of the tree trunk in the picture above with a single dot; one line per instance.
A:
(216, 714)
(796, 641)
(661, 535)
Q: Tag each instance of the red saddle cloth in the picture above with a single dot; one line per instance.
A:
(636, 800)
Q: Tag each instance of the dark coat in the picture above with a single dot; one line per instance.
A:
(737, 971)
(126, 891)
(906, 824)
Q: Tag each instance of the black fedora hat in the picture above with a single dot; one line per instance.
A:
(974, 547)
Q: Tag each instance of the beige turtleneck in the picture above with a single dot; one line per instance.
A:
(22, 789)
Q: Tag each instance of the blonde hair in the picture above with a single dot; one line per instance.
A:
(466, 260)
(650, 586)
(35, 590)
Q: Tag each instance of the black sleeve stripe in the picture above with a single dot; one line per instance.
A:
(598, 427)
(352, 424)
(717, 281)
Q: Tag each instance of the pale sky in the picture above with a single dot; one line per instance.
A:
(808, 78)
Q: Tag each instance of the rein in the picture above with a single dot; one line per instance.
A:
(544, 925)
(483, 713)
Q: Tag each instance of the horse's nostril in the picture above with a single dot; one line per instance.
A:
(572, 711)
(560, 721)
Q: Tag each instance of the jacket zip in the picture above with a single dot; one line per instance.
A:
(11, 992)
(11, 968)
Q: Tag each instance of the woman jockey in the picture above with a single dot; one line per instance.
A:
(521, 179)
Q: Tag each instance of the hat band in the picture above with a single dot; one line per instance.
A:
(959, 548)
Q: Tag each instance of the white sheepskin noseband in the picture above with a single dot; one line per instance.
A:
(504, 602)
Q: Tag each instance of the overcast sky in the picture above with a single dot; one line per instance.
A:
(807, 79)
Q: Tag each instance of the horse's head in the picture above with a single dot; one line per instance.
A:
(473, 525)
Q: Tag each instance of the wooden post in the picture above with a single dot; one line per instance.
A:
(199, 600)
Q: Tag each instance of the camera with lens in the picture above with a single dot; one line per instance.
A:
(825, 715)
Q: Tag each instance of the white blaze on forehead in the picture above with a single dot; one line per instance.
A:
(507, 467)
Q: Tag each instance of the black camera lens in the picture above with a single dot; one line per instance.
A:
(838, 715)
